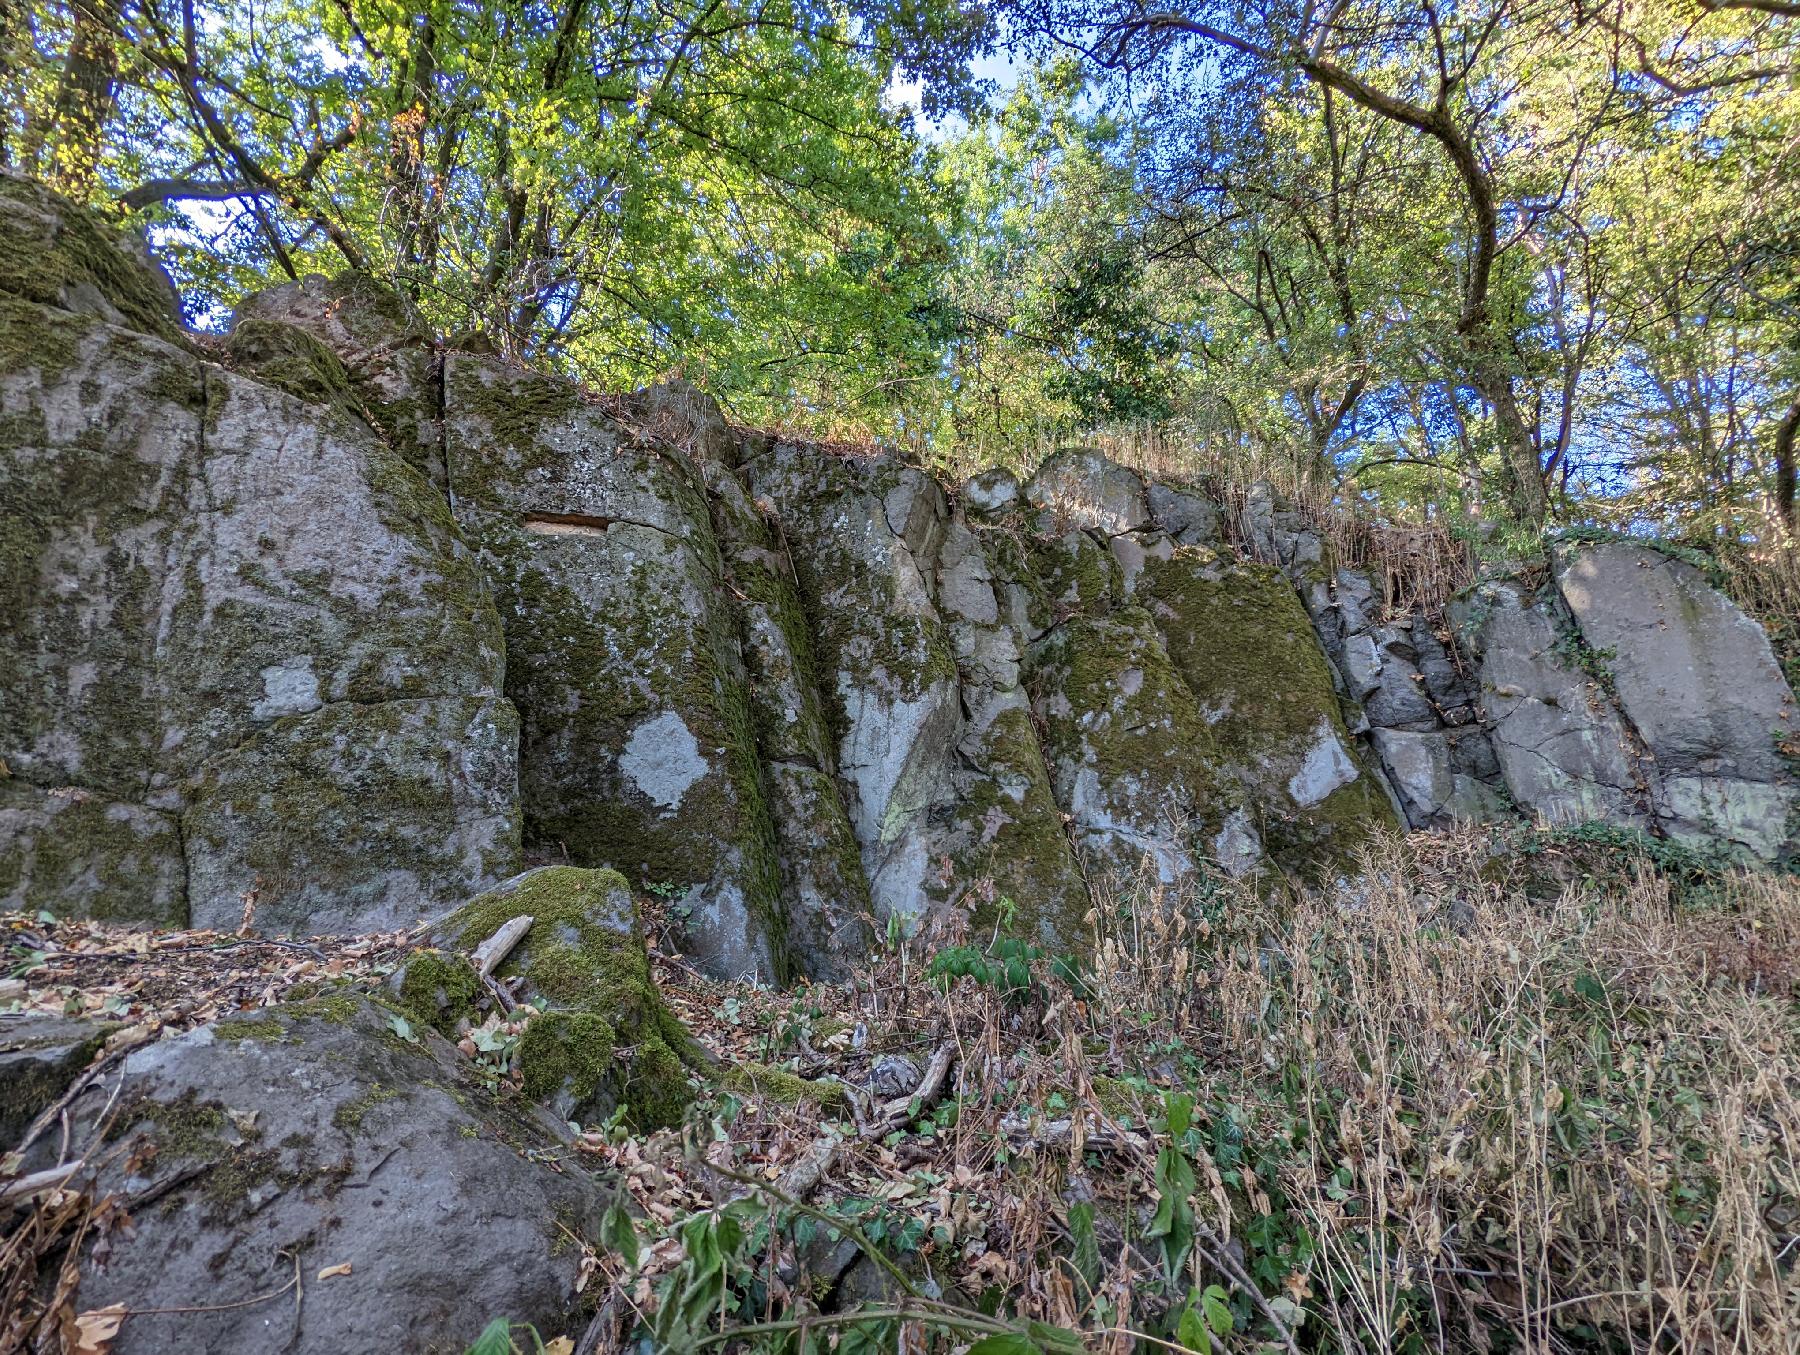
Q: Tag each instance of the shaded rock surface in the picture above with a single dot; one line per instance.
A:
(40, 1056)
(332, 618)
(312, 1135)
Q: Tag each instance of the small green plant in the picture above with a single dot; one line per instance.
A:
(503, 1336)
(1575, 652)
(1005, 966)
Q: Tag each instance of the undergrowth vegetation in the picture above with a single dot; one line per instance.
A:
(1543, 1101)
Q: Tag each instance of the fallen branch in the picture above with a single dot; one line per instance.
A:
(1022, 1132)
(901, 1109)
(801, 1179)
(491, 952)
(51, 1178)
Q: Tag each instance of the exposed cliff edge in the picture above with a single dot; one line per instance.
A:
(330, 623)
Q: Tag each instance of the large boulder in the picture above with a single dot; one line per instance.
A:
(1247, 653)
(227, 609)
(1699, 683)
(637, 748)
(1083, 490)
(60, 255)
(1127, 748)
(825, 892)
(390, 366)
(325, 1136)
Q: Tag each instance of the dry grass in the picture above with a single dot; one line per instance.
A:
(1765, 582)
(1507, 1117)
(1466, 1104)
(1417, 561)
(1435, 1111)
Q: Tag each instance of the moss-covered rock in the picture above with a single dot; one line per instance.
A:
(862, 534)
(1246, 649)
(56, 253)
(40, 1056)
(389, 363)
(1130, 754)
(755, 1081)
(292, 360)
(194, 564)
(584, 957)
(354, 817)
(438, 989)
(77, 853)
(825, 893)
(638, 744)
(99, 448)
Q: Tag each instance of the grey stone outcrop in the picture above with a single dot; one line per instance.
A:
(247, 657)
(319, 1135)
(336, 624)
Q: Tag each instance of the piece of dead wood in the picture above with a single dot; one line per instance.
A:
(1023, 1132)
(491, 952)
(51, 1178)
(799, 1180)
(803, 1177)
(897, 1112)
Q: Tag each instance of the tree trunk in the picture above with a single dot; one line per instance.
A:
(1521, 477)
(1786, 488)
(84, 99)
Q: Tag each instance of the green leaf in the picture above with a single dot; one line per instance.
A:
(1057, 1339)
(619, 1233)
(1190, 1330)
(1086, 1243)
(1178, 1113)
(1218, 1317)
(495, 1339)
(402, 1027)
(1005, 1343)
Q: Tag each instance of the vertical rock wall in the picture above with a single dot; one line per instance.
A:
(1625, 689)
(247, 657)
(328, 616)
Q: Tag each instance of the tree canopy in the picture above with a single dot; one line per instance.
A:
(1524, 257)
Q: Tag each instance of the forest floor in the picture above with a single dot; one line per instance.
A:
(1544, 1101)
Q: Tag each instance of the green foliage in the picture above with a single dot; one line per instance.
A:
(1005, 965)
(1610, 849)
(505, 1337)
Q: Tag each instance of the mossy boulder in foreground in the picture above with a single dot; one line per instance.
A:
(606, 1037)
(316, 1134)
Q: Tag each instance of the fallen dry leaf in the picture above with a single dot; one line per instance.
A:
(332, 1272)
(562, 1345)
(94, 1331)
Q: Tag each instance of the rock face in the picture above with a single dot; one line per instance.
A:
(329, 621)
(245, 653)
(39, 1057)
(314, 1135)
(1629, 690)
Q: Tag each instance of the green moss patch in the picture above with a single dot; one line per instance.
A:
(758, 1080)
(438, 989)
(584, 960)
